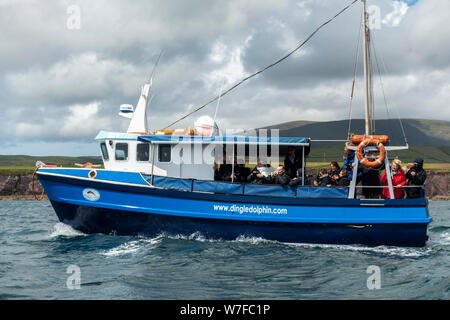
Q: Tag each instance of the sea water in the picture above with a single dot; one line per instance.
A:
(41, 258)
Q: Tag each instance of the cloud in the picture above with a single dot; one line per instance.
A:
(60, 84)
(81, 121)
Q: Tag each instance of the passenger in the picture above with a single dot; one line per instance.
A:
(343, 180)
(292, 162)
(216, 172)
(297, 181)
(371, 177)
(416, 176)
(261, 173)
(242, 172)
(398, 180)
(225, 171)
(280, 176)
(349, 163)
(323, 179)
(335, 170)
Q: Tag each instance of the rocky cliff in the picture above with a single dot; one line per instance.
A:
(17, 186)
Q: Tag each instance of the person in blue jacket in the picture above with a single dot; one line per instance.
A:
(348, 164)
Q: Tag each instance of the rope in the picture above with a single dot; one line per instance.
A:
(32, 186)
(264, 69)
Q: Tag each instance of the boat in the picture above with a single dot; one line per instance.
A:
(163, 182)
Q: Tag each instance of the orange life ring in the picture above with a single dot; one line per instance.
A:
(175, 132)
(357, 139)
(88, 164)
(363, 160)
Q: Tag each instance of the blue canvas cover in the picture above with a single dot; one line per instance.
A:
(225, 139)
(220, 187)
(172, 183)
(321, 192)
(269, 190)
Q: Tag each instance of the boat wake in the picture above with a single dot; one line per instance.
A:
(444, 238)
(63, 230)
(144, 243)
(383, 250)
(133, 246)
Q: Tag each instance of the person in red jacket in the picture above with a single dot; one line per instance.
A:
(398, 180)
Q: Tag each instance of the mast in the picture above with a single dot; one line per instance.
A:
(368, 130)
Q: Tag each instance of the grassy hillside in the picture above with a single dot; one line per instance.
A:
(428, 139)
(429, 154)
(22, 165)
(22, 160)
(419, 132)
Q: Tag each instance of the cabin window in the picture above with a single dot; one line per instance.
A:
(121, 151)
(104, 151)
(164, 154)
(142, 152)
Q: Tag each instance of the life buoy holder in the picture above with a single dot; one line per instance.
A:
(363, 160)
(92, 174)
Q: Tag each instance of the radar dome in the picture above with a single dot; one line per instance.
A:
(206, 126)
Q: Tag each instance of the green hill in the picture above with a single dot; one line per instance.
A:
(30, 161)
(419, 132)
(428, 139)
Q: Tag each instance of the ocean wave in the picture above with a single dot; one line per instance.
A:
(63, 230)
(385, 250)
(445, 238)
(196, 236)
(253, 240)
(132, 246)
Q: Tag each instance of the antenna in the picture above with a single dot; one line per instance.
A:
(154, 67)
(218, 100)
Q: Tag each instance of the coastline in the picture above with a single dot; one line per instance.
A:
(31, 197)
(22, 197)
(20, 187)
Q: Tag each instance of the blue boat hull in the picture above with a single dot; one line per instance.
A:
(107, 221)
(116, 207)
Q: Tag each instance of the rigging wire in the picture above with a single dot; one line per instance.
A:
(381, 83)
(355, 70)
(267, 67)
(384, 96)
(371, 95)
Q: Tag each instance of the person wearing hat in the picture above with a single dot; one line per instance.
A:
(416, 176)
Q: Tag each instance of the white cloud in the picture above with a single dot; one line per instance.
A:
(83, 120)
(61, 84)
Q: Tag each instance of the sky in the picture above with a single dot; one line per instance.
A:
(67, 66)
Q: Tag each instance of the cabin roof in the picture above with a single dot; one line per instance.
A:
(226, 139)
